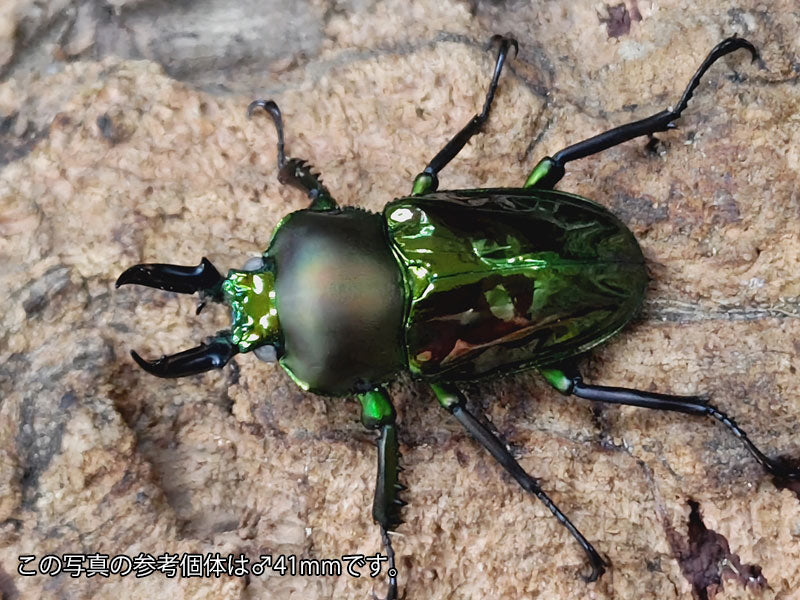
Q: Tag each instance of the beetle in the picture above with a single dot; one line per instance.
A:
(451, 286)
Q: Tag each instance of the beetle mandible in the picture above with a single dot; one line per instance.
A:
(452, 286)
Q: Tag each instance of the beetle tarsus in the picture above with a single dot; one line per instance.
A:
(598, 568)
(785, 470)
(781, 468)
(295, 172)
(726, 46)
(272, 109)
(503, 41)
(391, 594)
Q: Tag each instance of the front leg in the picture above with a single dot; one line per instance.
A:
(378, 413)
(295, 172)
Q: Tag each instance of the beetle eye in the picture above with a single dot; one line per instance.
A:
(254, 264)
(267, 353)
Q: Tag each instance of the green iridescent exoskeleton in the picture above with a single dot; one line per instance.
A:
(254, 314)
(501, 280)
(340, 300)
(480, 282)
(449, 286)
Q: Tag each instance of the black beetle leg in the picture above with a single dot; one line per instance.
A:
(427, 181)
(453, 400)
(567, 380)
(294, 171)
(378, 413)
(782, 470)
(549, 171)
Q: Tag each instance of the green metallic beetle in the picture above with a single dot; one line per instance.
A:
(452, 286)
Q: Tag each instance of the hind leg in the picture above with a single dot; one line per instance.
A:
(549, 171)
(568, 381)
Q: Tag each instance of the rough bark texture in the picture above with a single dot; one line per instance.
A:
(109, 161)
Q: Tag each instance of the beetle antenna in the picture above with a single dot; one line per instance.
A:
(275, 113)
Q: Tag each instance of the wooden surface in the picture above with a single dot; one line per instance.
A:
(108, 161)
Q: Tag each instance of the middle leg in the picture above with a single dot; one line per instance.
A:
(427, 181)
(451, 398)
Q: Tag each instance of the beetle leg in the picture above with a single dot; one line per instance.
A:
(781, 469)
(427, 181)
(294, 171)
(451, 398)
(549, 171)
(378, 413)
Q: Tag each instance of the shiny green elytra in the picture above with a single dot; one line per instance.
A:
(450, 286)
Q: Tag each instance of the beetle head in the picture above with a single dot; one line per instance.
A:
(249, 292)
